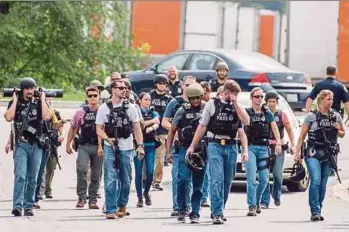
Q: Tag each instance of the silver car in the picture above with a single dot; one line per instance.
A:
(245, 101)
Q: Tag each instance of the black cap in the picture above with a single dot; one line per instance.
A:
(331, 70)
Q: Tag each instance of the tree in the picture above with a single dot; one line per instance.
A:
(64, 44)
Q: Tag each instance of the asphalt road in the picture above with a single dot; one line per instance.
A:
(59, 213)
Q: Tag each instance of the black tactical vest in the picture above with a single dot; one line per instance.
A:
(316, 138)
(279, 123)
(258, 132)
(188, 124)
(148, 137)
(159, 102)
(118, 119)
(88, 129)
(215, 85)
(175, 89)
(224, 121)
(34, 126)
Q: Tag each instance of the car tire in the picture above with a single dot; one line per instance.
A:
(300, 186)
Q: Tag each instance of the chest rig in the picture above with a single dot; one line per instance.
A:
(148, 115)
(258, 132)
(88, 129)
(159, 102)
(118, 119)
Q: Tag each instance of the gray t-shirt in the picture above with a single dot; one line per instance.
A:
(310, 120)
(102, 118)
(208, 112)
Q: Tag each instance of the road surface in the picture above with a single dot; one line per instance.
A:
(60, 214)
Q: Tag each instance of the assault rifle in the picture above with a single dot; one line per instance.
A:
(116, 148)
(15, 138)
(331, 152)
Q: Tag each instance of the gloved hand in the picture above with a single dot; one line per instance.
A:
(140, 152)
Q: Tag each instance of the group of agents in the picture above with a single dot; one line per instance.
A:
(201, 137)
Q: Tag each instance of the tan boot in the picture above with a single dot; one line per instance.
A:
(121, 212)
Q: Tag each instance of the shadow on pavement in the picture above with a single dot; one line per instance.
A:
(344, 226)
(291, 222)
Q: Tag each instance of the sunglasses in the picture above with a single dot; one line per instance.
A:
(258, 96)
(186, 85)
(195, 98)
(162, 83)
(92, 95)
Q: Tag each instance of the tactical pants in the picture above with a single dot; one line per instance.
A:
(27, 160)
(318, 173)
(159, 159)
(254, 166)
(50, 171)
(88, 153)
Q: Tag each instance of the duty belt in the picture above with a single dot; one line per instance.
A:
(222, 141)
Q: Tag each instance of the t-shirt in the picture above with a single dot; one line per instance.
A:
(79, 118)
(102, 118)
(171, 108)
(310, 120)
(207, 113)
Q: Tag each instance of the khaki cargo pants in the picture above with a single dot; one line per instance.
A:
(159, 159)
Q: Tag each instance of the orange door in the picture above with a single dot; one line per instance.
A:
(343, 42)
(266, 34)
(158, 24)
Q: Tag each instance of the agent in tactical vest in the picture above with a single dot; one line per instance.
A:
(222, 119)
(90, 149)
(159, 100)
(151, 123)
(222, 71)
(185, 122)
(174, 85)
(116, 122)
(258, 134)
(27, 109)
(170, 112)
(277, 162)
(322, 126)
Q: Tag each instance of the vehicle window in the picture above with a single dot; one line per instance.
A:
(255, 61)
(202, 62)
(176, 60)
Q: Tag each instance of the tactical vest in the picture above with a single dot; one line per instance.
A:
(118, 119)
(88, 129)
(258, 132)
(279, 123)
(34, 126)
(148, 115)
(188, 124)
(214, 85)
(176, 89)
(159, 102)
(316, 138)
(224, 121)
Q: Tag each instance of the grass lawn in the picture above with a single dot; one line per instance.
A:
(67, 96)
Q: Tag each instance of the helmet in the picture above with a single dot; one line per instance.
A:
(298, 172)
(27, 83)
(194, 90)
(161, 78)
(195, 162)
(271, 94)
(222, 65)
(96, 83)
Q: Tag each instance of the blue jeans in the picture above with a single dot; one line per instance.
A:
(254, 191)
(117, 182)
(43, 163)
(185, 178)
(222, 166)
(149, 160)
(318, 173)
(27, 160)
(174, 173)
(206, 186)
(277, 181)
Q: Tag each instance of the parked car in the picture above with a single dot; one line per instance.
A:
(244, 100)
(249, 69)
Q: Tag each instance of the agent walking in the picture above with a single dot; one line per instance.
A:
(322, 126)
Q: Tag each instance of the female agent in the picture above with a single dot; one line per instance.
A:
(151, 124)
(322, 126)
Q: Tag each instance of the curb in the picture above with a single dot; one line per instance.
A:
(341, 191)
(54, 104)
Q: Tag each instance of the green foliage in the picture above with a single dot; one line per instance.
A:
(53, 42)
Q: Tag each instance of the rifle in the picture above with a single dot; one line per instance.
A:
(116, 149)
(24, 124)
(331, 152)
(52, 143)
